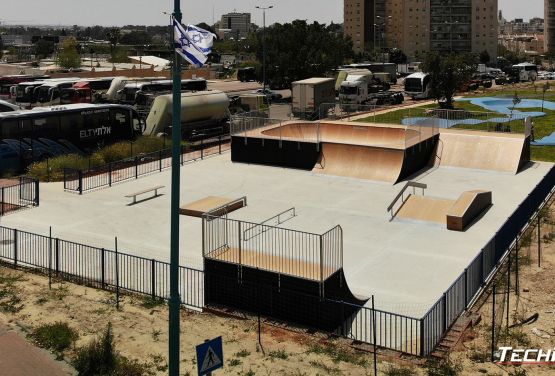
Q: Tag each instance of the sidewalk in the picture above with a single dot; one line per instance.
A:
(19, 358)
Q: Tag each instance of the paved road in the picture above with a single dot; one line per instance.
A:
(19, 358)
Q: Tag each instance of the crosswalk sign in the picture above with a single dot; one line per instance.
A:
(210, 356)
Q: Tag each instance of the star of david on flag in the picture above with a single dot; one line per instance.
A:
(193, 43)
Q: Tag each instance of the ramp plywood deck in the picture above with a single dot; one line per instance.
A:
(480, 150)
(362, 162)
(274, 263)
(198, 208)
(427, 209)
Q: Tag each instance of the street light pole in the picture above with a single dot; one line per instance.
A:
(264, 43)
(175, 300)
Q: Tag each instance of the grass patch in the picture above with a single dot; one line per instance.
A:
(278, 354)
(10, 294)
(398, 371)
(324, 367)
(243, 353)
(444, 367)
(234, 362)
(514, 337)
(100, 357)
(338, 354)
(53, 168)
(149, 302)
(56, 337)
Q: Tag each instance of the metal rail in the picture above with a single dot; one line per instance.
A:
(409, 184)
(260, 229)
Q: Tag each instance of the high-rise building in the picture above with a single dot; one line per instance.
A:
(549, 26)
(236, 24)
(419, 26)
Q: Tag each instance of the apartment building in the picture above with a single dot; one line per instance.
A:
(419, 26)
(236, 24)
(549, 26)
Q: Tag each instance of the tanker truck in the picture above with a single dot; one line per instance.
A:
(204, 114)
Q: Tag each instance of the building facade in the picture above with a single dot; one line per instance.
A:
(549, 27)
(420, 26)
(236, 24)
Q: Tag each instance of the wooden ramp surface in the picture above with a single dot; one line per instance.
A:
(198, 208)
(361, 162)
(428, 209)
(480, 150)
(273, 263)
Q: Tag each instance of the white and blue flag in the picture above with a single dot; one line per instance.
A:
(193, 43)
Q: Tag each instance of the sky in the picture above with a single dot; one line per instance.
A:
(149, 12)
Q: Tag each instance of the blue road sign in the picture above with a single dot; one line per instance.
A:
(210, 356)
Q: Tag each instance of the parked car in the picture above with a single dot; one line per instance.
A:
(272, 95)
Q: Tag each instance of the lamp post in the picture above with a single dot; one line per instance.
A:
(175, 300)
(264, 9)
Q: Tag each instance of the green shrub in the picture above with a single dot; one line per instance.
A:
(444, 367)
(56, 337)
(100, 358)
(398, 371)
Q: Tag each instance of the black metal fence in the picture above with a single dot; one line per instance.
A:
(132, 168)
(99, 267)
(470, 284)
(19, 193)
(290, 252)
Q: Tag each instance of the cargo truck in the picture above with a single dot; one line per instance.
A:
(307, 96)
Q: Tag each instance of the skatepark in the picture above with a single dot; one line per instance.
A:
(335, 178)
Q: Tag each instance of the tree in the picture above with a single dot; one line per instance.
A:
(484, 57)
(448, 74)
(44, 48)
(68, 57)
(113, 36)
(300, 50)
(397, 56)
(136, 38)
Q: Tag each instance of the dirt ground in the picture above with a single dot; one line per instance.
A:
(141, 328)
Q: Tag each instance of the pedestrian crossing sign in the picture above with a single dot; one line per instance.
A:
(210, 356)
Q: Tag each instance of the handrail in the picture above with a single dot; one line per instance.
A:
(279, 221)
(212, 214)
(412, 184)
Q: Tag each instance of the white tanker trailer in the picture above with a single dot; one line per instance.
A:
(203, 114)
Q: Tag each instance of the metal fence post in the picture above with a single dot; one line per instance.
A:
(57, 255)
(422, 352)
(109, 174)
(117, 274)
(201, 149)
(220, 144)
(465, 288)
(80, 176)
(2, 209)
(444, 313)
(160, 160)
(153, 278)
(15, 248)
(136, 167)
(102, 268)
(50, 259)
(37, 193)
(493, 323)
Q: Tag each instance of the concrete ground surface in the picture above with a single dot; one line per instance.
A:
(406, 265)
(19, 358)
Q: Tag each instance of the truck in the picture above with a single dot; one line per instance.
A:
(362, 87)
(307, 96)
(204, 114)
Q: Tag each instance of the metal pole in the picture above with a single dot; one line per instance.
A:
(264, 51)
(175, 300)
(539, 242)
(117, 274)
(493, 322)
(374, 338)
(50, 259)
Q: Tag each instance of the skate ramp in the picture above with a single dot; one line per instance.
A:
(481, 150)
(455, 215)
(362, 162)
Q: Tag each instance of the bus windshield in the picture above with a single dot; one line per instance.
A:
(43, 94)
(413, 85)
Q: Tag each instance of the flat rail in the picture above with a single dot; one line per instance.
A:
(400, 195)
(276, 220)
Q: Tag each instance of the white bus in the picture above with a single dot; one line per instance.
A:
(49, 93)
(526, 71)
(417, 85)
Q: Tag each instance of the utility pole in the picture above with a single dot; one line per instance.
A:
(175, 300)
(264, 43)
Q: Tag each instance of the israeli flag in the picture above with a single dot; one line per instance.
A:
(203, 40)
(194, 45)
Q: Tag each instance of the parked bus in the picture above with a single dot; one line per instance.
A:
(87, 91)
(49, 131)
(129, 93)
(246, 74)
(526, 71)
(7, 82)
(49, 93)
(417, 85)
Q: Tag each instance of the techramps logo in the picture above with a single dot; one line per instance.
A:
(512, 356)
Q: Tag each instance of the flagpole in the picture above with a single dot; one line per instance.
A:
(175, 301)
